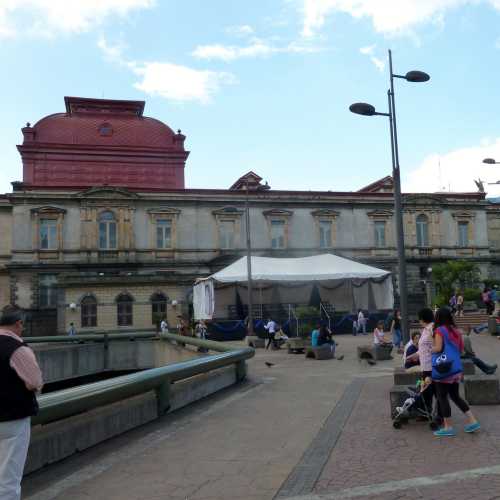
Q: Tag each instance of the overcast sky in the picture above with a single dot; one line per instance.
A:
(265, 85)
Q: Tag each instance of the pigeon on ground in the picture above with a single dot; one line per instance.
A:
(268, 364)
(340, 358)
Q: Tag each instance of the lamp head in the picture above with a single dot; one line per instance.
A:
(417, 76)
(489, 161)
(362, 108)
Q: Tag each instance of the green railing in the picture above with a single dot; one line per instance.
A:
(68, 402)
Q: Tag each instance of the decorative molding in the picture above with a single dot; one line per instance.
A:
(325, 212)
(463, 215)
(164, 211)
(276, 212)
(107, 192)
(380, 214)
(48, 210)
(228, 211)
(418, 199)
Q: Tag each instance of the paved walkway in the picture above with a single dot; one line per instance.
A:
(300, 429)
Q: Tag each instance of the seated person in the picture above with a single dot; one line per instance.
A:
(315, 336)
(379, 338)
(325, 338)
(410, 355)
(470, 354)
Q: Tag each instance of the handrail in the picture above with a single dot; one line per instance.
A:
(323, 308)
(68, 402)
(95, 337)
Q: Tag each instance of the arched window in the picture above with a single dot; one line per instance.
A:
(124, 309)
(89, 311)
(158, 307)
(107, 231)
(422, 231)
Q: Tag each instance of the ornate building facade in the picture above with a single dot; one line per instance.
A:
(102, 232)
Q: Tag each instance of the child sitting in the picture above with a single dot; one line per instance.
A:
(378, 335)
(410, 356)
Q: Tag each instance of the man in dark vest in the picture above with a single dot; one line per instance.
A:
(20, 379)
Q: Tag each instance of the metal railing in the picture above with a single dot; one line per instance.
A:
(322, 308)
(69, 402)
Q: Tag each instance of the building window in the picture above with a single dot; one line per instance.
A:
(226, 234)
(158, 308)
(48, 234)
(463, 234)
(325, 234)
(277, 234)
(422, 231)
(89, 312)
(107, 231)
(163, 233)
(124, 307)
(380, 233)
(47, 290)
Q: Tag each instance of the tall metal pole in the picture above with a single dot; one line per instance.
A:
(398, 214)
(250, 331)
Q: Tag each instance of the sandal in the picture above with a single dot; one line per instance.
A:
(445, 432)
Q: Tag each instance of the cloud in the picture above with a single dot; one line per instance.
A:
(180, 83)
(456, 170)
(388, 16)
(173, 82)
(51, 17)
(370, 51)
(242, 30)
(257, 48)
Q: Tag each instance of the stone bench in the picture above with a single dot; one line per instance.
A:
(482, 390)
(373, 352)
(255, 342)
(403, 377)
(321, 352)
(296, 345)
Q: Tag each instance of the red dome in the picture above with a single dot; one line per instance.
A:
(103, 122)
(101, 141)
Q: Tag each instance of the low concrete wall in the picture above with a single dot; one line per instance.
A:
(55, 441)
(63, 362)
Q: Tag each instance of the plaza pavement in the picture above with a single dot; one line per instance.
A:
(301, 429)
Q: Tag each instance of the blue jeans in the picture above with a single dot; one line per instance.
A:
(396, 338)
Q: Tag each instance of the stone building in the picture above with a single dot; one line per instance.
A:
(103, 233)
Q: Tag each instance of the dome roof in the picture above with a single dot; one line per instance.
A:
(100, 122)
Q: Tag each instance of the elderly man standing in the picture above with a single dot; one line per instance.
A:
(20, 379)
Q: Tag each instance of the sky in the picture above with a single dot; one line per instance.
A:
(265, 85)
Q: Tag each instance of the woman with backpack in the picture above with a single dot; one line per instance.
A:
(447, 372)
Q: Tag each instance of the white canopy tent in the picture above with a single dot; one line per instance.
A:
(345, 283)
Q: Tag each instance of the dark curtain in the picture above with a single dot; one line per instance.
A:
(315, 299)
(240, 310)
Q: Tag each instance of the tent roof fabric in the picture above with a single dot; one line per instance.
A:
(315, 268)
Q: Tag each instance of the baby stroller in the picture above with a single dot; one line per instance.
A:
(415, 406)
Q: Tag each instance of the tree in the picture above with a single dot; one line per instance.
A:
(452, 275)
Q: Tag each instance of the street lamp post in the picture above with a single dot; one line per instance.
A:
(249, 265)
(369, 110)
(265, 187)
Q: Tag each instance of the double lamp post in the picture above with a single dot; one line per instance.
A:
(362, 108)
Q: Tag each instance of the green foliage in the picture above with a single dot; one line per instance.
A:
(307, 312)
(472, 294)
(454, 275)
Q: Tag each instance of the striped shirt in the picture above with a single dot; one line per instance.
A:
(23, 362)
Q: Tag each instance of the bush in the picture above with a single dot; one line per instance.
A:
(307, 312)
(472, 294)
